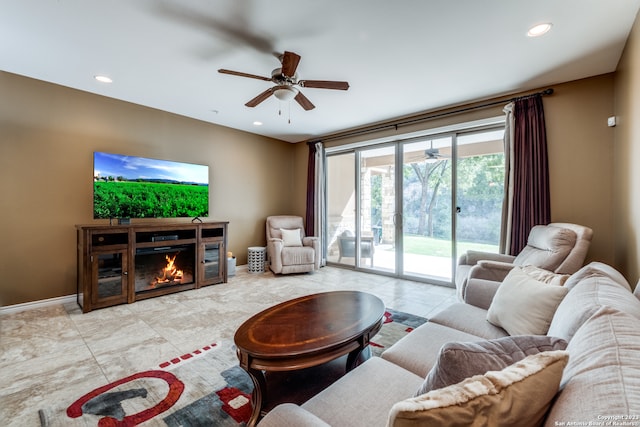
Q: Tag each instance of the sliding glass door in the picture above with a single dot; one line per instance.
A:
(341, 209)
(479, 190)
(362, 182)
(377, 206)
(409, 208)
(427, 209)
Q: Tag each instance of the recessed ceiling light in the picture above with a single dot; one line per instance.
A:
(538, 30)
(103, 79)
(257, 123)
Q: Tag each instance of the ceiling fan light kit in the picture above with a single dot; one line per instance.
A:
(285, 78)
(285, 92)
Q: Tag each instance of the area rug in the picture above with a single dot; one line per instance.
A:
(203, 388)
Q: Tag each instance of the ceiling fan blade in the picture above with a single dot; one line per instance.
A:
(258, 99)
(304, 102)
(324, 84)
(238, 73)
(290, 62)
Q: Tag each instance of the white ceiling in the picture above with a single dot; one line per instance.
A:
(400, 57)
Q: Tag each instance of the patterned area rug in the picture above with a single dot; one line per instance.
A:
(203, 388)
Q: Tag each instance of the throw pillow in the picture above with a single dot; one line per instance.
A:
(524, 306)
(518, 395)
(545, 276)
(459, 360)
(291, 237)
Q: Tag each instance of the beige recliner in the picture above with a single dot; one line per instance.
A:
(558, 247)
(288, 249)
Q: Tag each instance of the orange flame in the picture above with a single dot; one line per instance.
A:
(170, 273)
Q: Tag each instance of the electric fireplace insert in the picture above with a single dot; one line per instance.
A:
(164, 266)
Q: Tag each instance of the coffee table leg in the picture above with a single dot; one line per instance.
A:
(358, 356)
(259, 395)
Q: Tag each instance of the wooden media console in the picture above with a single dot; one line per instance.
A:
(120, 264)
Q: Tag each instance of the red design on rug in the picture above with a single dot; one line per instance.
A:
(235, 403)
(187, 356)
(387, 317)
(176, 387)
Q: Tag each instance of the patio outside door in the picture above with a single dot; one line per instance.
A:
(479, 190)
(427, 209)
(410, 208)
(364, 182)
(377, 206)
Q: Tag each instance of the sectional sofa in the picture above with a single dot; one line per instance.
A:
(541, 349)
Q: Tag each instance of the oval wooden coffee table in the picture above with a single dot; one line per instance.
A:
(306, 332)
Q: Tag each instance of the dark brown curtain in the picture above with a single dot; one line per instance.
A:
(311, 190)
(531, 199)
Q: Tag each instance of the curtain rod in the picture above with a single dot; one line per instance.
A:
(429, 117)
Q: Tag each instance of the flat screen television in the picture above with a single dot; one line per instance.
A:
(137, 187)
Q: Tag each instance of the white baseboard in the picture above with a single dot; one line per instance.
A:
(37, 304)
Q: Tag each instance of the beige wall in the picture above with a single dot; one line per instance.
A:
(48, 134)
(580, 146)
(626, 208)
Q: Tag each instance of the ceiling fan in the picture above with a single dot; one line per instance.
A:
(433, 154)
(285, 80)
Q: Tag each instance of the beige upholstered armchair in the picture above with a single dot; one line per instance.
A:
(558, 247)
(289, 250)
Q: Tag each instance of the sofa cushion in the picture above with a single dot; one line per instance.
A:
(480, 292)
(418, 350)
(365, 395)
(462, 272)
(524, 306)
(603, 375)
(291, 415)
(294, 255)
(517, 395)
(596, 289)
(469, 319)
(458, 361)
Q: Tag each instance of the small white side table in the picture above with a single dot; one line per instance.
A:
(255, 259)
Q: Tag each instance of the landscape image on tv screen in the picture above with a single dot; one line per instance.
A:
(137, 187)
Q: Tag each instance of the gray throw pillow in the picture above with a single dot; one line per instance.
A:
(460, 360)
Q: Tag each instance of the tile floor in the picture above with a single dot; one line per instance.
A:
(57, 353)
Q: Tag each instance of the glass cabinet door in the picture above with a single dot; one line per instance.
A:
(110, 279)
(210, 267)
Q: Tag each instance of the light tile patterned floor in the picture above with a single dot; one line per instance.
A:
(57, 353)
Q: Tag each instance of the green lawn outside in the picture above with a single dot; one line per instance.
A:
(421, 245)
